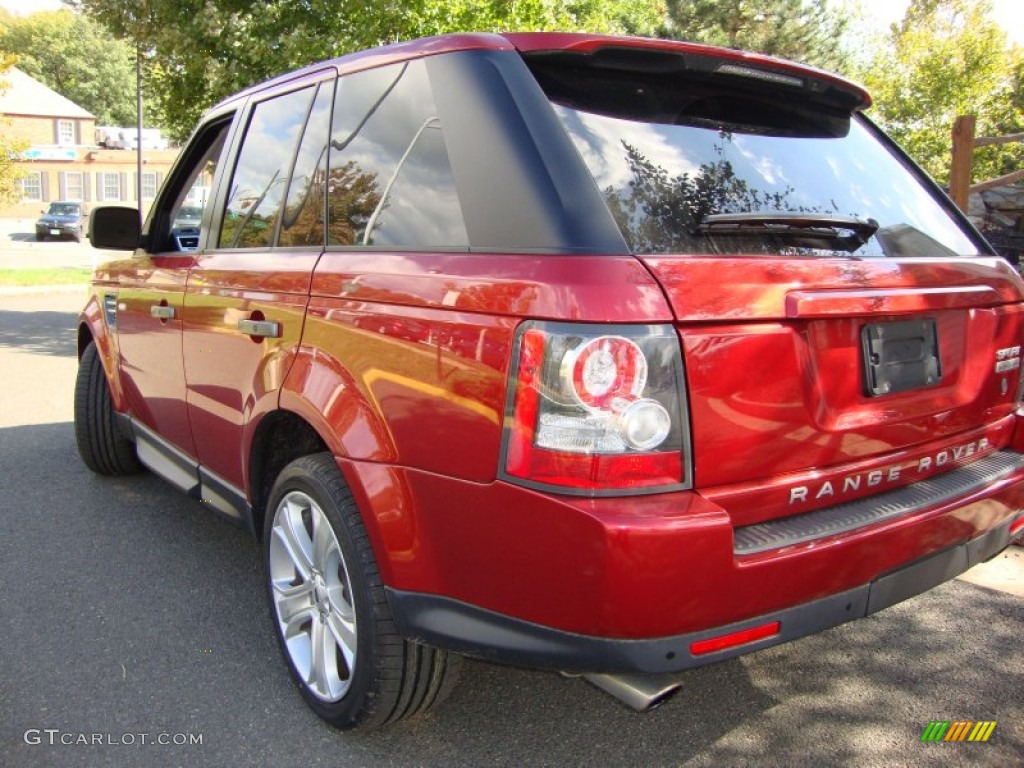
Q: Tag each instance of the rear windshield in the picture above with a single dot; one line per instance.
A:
(701, 170)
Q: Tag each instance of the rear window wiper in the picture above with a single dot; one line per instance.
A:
(810, 229)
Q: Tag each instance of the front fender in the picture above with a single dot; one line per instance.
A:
(94, 325)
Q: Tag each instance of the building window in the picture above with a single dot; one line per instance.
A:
(149, 185)
(65, 132)
(110, 186)
(32, 187)
(74, 187)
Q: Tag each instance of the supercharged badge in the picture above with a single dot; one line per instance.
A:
(1007, 359)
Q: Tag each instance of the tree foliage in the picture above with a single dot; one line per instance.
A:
(661, 211)
(801, 30)
(75, 56)
(10, 173)
(948, 58)
(200, 52)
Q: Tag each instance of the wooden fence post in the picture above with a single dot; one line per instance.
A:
(963, 159)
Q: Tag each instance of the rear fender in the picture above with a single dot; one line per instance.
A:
(323, 392)
(320, 390)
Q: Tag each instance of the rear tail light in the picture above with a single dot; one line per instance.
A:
(596, 410)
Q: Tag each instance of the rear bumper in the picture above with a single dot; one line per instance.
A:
(629, 584)
(468, 629)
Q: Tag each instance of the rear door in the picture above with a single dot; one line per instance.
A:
(248, 290)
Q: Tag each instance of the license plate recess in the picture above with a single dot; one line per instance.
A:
(900, 355)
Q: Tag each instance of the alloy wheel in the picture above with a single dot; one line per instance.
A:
(312, 596)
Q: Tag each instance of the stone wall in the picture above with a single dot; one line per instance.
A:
(999, 214)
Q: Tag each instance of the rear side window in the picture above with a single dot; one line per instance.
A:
(303, 220)
(261, 173)
(390, 182)
(688, 168)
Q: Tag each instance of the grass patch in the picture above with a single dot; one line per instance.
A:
(45, 276)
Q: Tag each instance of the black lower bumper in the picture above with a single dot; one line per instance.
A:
(446, 623)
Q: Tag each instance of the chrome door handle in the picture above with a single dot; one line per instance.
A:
(264, 328)
(162, 311)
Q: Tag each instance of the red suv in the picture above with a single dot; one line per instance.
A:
(601, 355)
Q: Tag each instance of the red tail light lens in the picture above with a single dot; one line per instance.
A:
(596, 410)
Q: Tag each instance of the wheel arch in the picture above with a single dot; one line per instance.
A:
(84, 337)
(279, 438)
(92, 327)
(282, 436)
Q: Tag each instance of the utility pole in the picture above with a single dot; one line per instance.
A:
(138, 114)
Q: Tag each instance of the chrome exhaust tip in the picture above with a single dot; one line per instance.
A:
(641, 692)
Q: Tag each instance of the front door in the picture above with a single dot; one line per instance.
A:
(149, 312)
(150, 300)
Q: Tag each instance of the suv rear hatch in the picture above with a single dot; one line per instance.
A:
(845, 331)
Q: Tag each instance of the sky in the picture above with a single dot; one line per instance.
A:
(1009, 13)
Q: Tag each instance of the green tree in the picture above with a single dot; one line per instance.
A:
(801, 30)
(78, 59)
(10, 147)
(948, 58)
(198, 53)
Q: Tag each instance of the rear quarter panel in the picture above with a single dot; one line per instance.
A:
(405, 355)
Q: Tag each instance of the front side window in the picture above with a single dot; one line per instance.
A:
(181, 209)
(31, 187)
(390, 182)
(261, 174)
(687, 170)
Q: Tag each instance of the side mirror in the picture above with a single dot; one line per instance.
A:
(115, 227)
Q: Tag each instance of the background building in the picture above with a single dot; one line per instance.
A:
(63, 160)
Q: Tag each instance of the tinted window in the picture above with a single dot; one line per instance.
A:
(303, 219)
(178, 214)
(797, 181)
(390, 181)
(261, 173)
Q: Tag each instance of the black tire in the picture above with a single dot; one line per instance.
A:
(391, 678)
(102, 446)
(40, 237)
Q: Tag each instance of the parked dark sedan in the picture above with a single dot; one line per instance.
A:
(62, 220)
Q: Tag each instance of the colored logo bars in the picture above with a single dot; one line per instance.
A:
(958, 730)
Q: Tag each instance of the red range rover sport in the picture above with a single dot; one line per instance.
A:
(608, 356)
